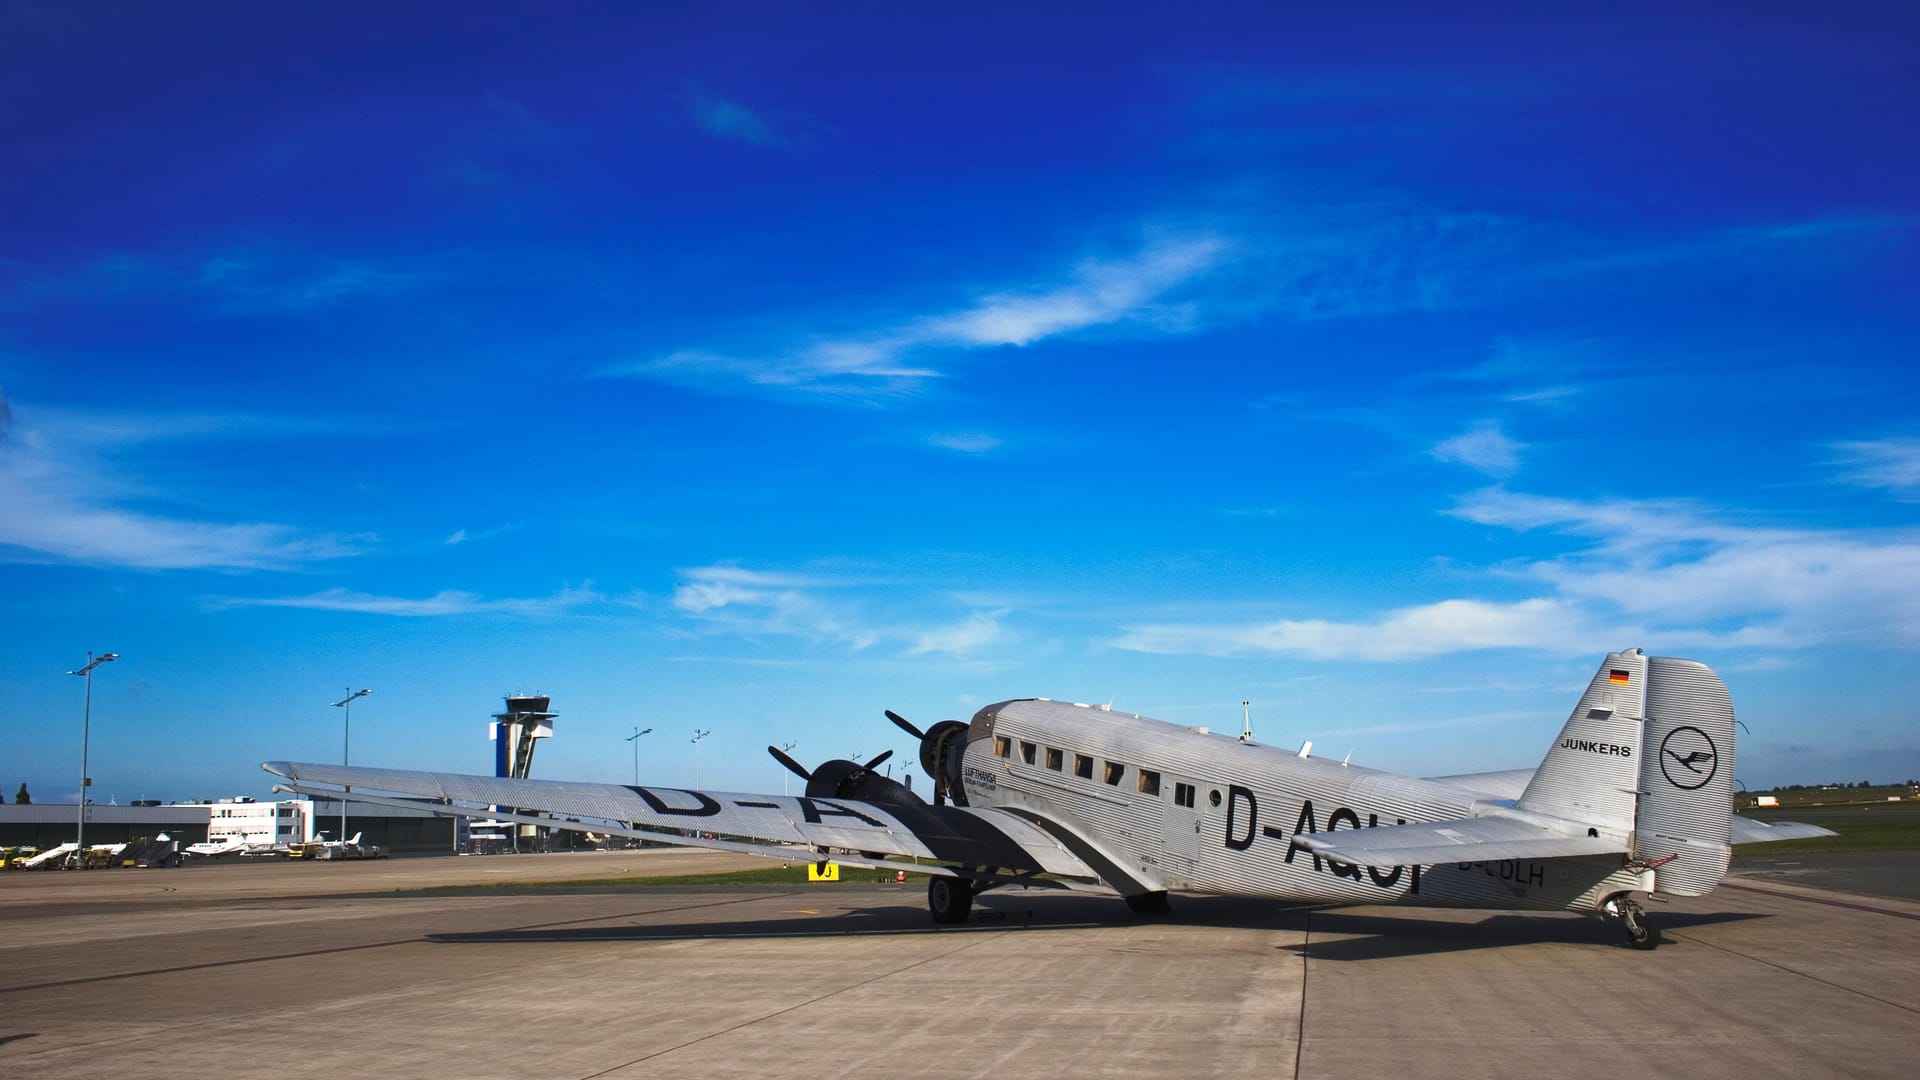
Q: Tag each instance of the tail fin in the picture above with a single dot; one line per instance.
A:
(1648, 753)
(1592, 773)
(1686, 777)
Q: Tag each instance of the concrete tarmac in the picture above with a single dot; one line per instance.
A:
(342, 970)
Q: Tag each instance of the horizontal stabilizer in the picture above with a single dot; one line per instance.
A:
(1464, 840)
(1508, 784)
(1749, 831)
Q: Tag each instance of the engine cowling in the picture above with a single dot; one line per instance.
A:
(942, 751)
(843, 779)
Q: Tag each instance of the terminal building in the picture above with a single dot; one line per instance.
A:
(515, 733)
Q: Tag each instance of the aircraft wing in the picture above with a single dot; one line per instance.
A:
(1749, 831)
(1463, 840)
(776, 826)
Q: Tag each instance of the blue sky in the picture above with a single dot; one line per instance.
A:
(759, 369)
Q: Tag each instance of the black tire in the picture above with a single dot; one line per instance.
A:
(1641, 933)
(950, 899)
(1153, 903)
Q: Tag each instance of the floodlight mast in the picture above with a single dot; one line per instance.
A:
(698, 734)
(345, 705)
(86, 724)
(635, 740)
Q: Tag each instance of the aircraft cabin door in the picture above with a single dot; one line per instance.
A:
(1182, 825)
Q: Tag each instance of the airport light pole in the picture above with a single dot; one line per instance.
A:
(785, 748)
(635, 740)
(345, 705)
(698, 734)
(86, 725)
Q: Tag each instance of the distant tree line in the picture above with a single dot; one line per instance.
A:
(1828, 787)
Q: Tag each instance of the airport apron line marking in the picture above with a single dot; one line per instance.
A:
(1791, 971)
(1300, 1034)
(1822, 900)
(981, 939)
(216, 964)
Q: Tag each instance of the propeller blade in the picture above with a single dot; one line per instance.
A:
(780, 756)
(869, 766)
(904, 726)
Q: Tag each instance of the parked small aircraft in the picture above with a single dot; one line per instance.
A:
(214, 849)
(1634, 798)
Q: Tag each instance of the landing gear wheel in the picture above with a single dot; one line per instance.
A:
(1641, 933)
(950, 899)
(1153, 903)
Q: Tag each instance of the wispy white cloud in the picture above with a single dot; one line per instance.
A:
(1131, 292)
(449, 602)
(1889, 464)
(1305, 262)
(468, 536)
(70, 497)
(1414, 633)
(1664, 574)
(236, 281)
(966, 442)
(825, 611)
(768, 129)
(1710, 580)
(1483, 447)
(965, 638)
(732, 120)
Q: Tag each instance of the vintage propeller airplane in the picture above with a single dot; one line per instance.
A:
(1633, 799)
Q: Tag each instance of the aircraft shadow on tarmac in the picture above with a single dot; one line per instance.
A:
(1384, 937)
(1374, 936)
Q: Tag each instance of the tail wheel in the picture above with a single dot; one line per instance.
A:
(950, 899)
(1641, 933)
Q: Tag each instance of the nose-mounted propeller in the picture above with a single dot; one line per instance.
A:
(941, 747)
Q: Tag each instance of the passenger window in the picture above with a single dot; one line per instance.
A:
(1183, 795)
(1026, 752)
(1149, 782)
(1083, 766)
(1001, 745)
(1114, 772)
(1054, 759)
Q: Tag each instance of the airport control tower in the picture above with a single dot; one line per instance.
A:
(513, 733)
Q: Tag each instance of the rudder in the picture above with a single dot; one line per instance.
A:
(1686, 777)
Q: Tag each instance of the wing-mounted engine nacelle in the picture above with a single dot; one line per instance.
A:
(843, 779)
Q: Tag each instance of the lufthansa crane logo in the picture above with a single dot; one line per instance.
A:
(1688, 758)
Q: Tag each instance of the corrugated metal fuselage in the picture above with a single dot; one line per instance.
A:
(1175, 809)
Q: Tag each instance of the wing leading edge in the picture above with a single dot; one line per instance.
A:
(728, 821)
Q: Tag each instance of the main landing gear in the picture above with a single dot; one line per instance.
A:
(1641, 933)
(950, 899)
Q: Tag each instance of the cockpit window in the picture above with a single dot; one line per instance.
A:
(1001, 745)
